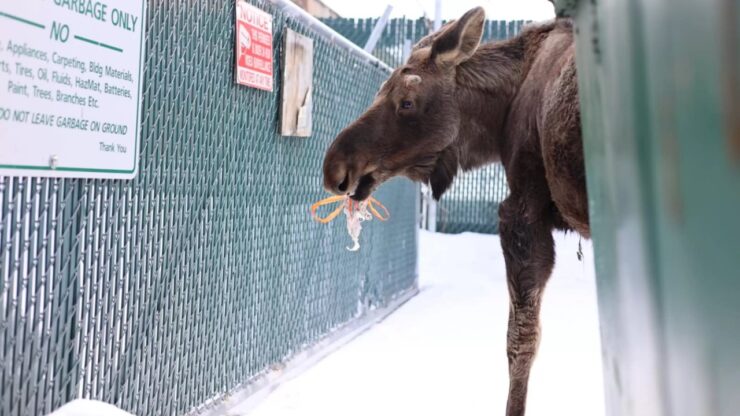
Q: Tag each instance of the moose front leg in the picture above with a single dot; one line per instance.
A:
(530, 255)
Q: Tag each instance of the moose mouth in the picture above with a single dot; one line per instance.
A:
(368, 183)
(364, 188)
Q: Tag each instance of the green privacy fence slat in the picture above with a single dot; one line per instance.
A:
(169, 291)
(472, 202)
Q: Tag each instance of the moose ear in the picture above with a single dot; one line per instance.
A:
(444, 172)
(458, 41)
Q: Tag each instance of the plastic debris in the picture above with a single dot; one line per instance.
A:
(356, 213)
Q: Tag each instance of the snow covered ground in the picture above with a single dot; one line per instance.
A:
(443, 352)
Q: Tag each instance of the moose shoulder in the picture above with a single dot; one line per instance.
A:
(457, 105)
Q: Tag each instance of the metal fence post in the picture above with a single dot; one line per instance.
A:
(378, 30)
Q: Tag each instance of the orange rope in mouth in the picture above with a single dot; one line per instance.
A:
(327, 201)
(371, 202)
(351, 205)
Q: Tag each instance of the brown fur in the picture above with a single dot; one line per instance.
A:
(514, 101)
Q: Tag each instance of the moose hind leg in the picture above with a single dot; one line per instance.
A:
(530, 255)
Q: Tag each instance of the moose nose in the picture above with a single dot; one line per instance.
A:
(342, 187)
(337, 177)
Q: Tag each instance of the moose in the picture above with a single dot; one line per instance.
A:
(457, 105)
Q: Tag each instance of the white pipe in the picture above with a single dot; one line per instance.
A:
(378, 30)
(406, 49)
(437, 15)
(311, 23)
(432, 215)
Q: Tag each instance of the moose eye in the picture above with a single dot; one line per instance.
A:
(406, 104)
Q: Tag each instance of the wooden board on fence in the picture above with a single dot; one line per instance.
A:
(296, 117)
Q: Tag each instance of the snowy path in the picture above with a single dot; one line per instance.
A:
(443, 353)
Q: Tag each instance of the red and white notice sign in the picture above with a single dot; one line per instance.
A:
(253, 46)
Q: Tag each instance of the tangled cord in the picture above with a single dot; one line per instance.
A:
(356, 212)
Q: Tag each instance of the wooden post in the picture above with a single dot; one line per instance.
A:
(297, 85)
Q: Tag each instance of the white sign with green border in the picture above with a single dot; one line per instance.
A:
(70, 87)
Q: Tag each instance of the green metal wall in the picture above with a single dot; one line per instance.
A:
(660, 96)
(165, 292)
(471, 204)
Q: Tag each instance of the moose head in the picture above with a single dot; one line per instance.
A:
(413, 127)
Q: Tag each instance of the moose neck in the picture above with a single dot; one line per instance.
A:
(487, 84)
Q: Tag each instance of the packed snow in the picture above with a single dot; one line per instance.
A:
(444, 351)
(84, 407)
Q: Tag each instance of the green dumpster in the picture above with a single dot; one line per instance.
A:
(660, 97)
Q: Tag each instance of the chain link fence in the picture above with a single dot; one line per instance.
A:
(174, 289)
(472, 202)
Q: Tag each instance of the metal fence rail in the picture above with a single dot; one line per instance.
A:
(168, 291)
(472, 202)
